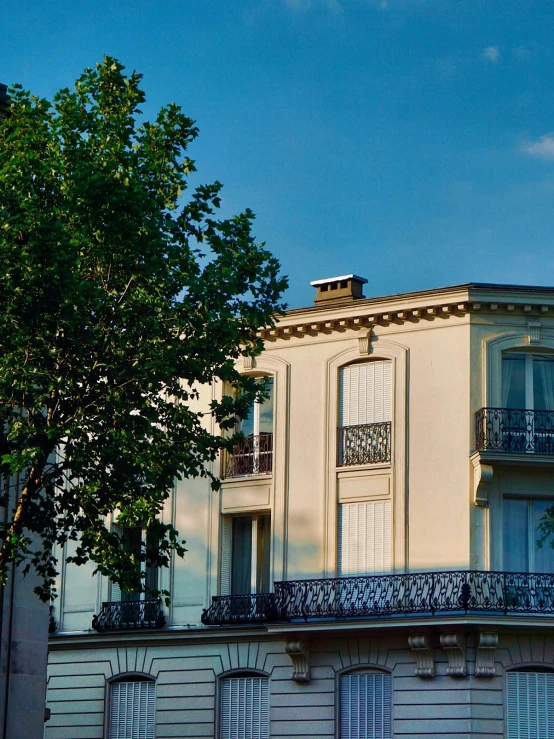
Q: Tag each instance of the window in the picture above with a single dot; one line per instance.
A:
(245, 554)
(132, 710)
(244, 708)
(254, 455)
(132, 539)
(528, 381)
(365, 413)
(529, 705)
(365, 538)
(521, 533)
(365, 706)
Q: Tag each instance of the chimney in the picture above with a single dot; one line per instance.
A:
(4, 101)
(338, 289)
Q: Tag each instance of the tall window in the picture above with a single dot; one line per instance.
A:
(365, 706)
(244, 708)
(132, 538)
(254, 455)
(521, 533)
(528, 381)
(365, 538)
(245, 554)
(529, 705)
(365, 413)
(132, 710)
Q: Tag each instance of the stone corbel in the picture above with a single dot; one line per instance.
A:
(364, 343)
(423, 653)
(486, 649)
(299, 653)
(482, 477)
(248, 362)
(454, 644)
(533, 332)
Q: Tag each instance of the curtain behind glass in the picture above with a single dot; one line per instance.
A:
(516, 556)
(543, 382)
(513, 381)
(241, 556)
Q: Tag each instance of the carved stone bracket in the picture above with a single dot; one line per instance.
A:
(484, 660)
(248, 362)
(533, 332)
(454, 644)
(420, 646)
(482, 477)
(299, 653)
(364, 343)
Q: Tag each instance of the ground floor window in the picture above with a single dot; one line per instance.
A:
(365, 706)
(244, 708)
(132, 710)
(530, 705)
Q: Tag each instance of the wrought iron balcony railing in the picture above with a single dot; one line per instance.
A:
(381, 596)
(367, 443)
(240, 609)
(132, 614)
(252, 456)
(514, 431)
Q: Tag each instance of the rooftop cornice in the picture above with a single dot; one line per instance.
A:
(427, 305)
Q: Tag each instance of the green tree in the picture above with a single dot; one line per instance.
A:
(117, 301)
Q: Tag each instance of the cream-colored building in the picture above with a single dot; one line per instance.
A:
(370, 566)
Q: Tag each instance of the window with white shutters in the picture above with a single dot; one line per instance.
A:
(244, 708)
(245, 554)
(365, 706)
(132, 710)
(530, 705)
(365, 413)
(365, 538)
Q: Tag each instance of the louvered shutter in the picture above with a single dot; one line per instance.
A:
(244, 708)
(225, 555)
(365, 706)
(365, 538)
(366, 393)
(530, 705)
(132, 710)
(115, 595)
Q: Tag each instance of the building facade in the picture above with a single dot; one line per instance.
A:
(371, 566)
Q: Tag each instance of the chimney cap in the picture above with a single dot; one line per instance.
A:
(362, 280)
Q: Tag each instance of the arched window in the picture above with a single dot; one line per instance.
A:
(529, 704)
(132, 712)
(365, 705)
(244, 707)
(365, 413)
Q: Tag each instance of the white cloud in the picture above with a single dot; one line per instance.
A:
(521, 52)
(543, 147)
(492, 53)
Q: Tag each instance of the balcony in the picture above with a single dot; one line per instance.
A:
(126, 615)
(514, 431)
(390, 596)
(367, 443)
(252, 456)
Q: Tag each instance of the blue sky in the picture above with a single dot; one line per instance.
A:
(409, 141)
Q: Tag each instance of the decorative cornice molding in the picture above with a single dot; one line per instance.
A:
(486, 649)
(423, 653)
(295, 326)
(299, 653)
(454, 644)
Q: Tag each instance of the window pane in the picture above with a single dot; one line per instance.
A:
(544, 556)
(241, 555)
(516, 557)
(543, 382)
(247, 425)
(513, 381)
(263, 554)
(266, 410)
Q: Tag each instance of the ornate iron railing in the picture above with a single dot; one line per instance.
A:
(252, 456)
(367, 443)
(514, 431)
(240, 609)
(133, 614)
(381, 596)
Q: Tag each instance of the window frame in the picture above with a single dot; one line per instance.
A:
(530, 670)
(126, 677)
(356, 671)
(226, 560)
(238, 674)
